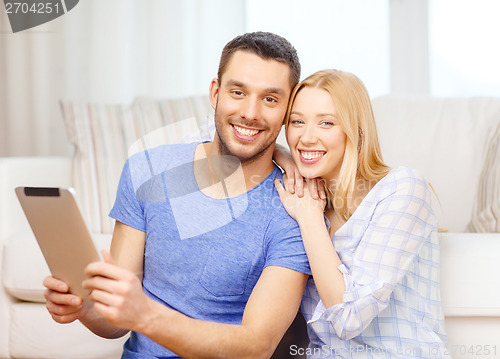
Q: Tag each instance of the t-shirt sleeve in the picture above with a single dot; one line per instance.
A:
(284, 244)
(128, 209)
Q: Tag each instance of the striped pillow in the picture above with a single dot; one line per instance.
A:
(104, 136)
(486, 212)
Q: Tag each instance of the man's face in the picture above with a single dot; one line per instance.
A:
(250, 102)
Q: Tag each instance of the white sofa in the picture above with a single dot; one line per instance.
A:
(26, 328)
(445, 138)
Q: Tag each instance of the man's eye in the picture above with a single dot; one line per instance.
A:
(237, 93)
(270, 99)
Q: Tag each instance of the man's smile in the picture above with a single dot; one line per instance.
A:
(245, 133)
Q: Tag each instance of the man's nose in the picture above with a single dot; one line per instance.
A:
(250, 109)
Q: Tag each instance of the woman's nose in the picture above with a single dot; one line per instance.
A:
(309, 135)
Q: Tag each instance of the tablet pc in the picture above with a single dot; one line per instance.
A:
(61, 233)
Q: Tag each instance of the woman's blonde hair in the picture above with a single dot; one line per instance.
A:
(362, 158)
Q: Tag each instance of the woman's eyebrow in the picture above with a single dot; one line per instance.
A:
(317, 115)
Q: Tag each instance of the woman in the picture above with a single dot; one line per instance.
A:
(372, 243)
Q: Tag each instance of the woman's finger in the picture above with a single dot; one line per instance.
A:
(279, 187)
(321, 189)
(299, 183)
(291, 184)
(313, 188)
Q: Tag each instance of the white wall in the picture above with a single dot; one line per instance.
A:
(164, 48)
(109, 52)
(345, 35)
(464, 47)
(114, 50)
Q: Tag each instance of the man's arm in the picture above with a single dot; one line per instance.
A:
(271, 308)
(128, 248)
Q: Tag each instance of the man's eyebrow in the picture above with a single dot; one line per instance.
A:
(270, 90)
(275, 90)
(235, 83)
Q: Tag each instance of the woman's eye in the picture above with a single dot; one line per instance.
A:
(327, 123)
(296, 122)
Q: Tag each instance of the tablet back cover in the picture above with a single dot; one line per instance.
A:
(61, 233)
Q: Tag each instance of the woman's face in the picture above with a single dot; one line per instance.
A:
(316, 140)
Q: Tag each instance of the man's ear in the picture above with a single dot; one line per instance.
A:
(214, 92)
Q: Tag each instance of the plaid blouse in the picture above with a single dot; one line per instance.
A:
(390, 253)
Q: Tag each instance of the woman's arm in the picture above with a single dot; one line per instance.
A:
(323, 258)
(401, 222)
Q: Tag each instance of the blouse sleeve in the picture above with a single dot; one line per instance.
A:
(401, 222)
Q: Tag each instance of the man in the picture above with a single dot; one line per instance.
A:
(224, 266)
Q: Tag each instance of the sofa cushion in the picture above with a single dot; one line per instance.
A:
(470, 286)
(24, 268)
(486, 213)
(105, 135)
(445, 139)
(98, 133)
(33, 334)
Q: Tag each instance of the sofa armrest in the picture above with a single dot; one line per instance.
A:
(22, 171)
(470, 285)
(24, 268)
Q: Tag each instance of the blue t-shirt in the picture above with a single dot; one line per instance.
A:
(203, 256)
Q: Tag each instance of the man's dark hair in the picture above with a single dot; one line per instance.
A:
(266, 45)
